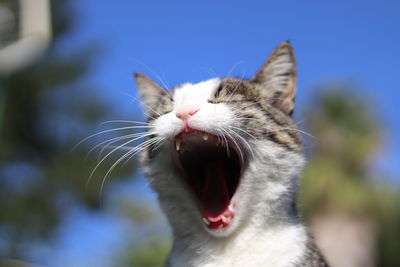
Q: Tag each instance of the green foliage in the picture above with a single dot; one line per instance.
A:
(150, 253)
(337, 180)
(346, 138)
(326, 188)
(388, 249)
(46, 112)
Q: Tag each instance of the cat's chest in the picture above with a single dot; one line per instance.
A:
(283, 247)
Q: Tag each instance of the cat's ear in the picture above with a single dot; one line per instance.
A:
(150, 92)
(278, 78)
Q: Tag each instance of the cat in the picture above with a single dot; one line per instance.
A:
(224, 157)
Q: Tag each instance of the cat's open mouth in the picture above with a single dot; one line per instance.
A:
(211, 166)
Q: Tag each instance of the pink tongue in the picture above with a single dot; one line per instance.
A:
(215, 195)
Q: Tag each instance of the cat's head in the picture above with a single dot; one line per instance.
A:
(219, 149)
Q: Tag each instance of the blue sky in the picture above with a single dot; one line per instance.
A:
(335, 41)
(179, 41)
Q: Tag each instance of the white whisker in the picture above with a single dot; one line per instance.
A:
(297, 130)
(144, 104)
(235, 66)
(148, 115)
(234, 90)
(164, 84)
(156, 141)
(244, 131)
(244, 141)
(210, 71)
(123, 121)
(252, 103)
(136, 137)
(238, 84)
(112, 130)
(109, 141)
(236, 144)
(104, 158)
(131, 152)
(158, 144)
(224, 139)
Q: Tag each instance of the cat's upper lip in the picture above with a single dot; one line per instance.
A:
(211, 166)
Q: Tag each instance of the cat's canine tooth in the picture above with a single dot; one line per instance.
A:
(206, 221)
(205, 137)
(224, 219)
(177, 144)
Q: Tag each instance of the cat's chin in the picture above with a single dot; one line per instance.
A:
(222, 225)
(211, 166)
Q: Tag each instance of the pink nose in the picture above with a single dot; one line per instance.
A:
(185, 112)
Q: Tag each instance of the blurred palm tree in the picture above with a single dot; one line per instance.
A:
(151, 252)
(347, 137)
(388, 243)
(46, 112)
(337, 195)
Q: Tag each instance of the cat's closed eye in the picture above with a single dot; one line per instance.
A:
(218, 91)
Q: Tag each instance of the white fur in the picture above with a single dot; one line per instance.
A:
(206, 119)
(264, 232)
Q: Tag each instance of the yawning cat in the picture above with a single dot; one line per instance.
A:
(224, 157)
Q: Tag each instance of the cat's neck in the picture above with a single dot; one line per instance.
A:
(276, 241)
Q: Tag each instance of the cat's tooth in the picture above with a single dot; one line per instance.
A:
(177, 144)
(224, 219)
(206, 221)
(205, 137)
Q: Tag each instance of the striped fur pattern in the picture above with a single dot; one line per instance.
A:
(256, 115)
